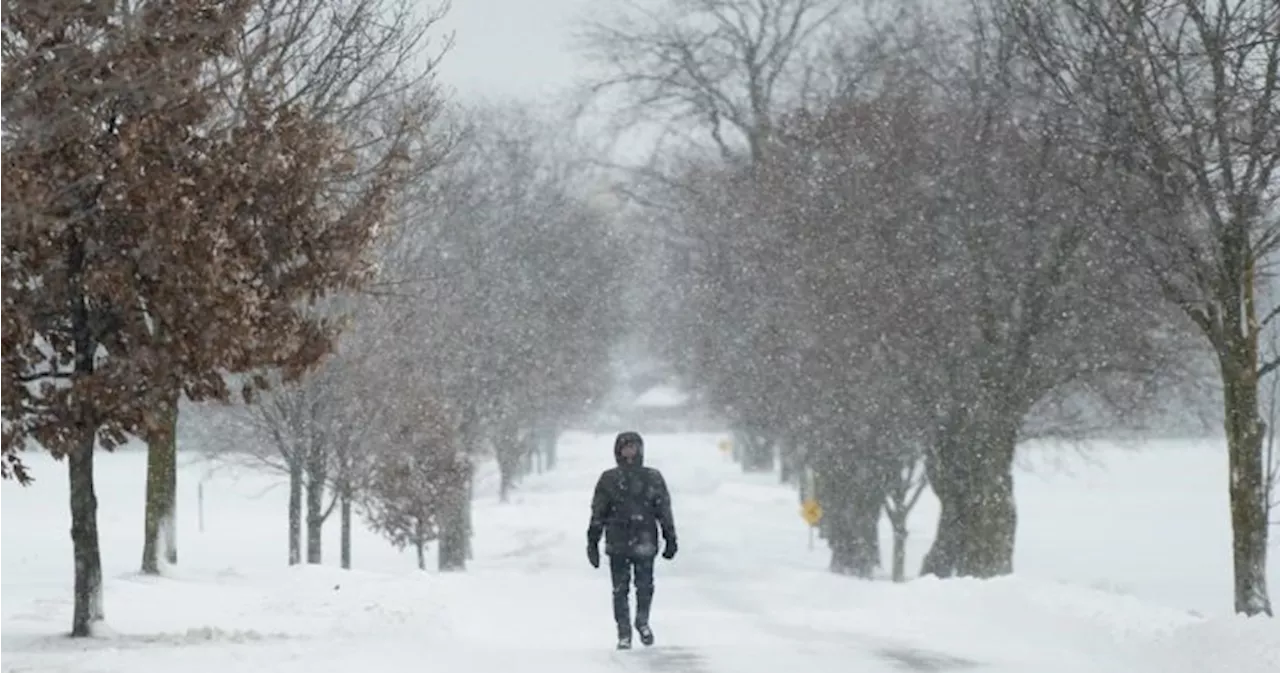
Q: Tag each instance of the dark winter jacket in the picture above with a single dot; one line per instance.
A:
(631, 502)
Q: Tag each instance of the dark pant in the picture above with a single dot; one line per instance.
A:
(620, 567)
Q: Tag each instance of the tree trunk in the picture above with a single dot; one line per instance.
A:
(854, 540)
(345, 513)
(159, 524)
(468, 528)
(295, 509)
(528, 450)
(851, 517)
(972, 476)
(315, 520)
(346, 493)
(454, 528)
(86, 553)
(992, 522)
(512, 453)
(758, 453)
(317, 473)
(84, 537)
(452, 545)
(899, 523)
(504, 485)
(549, 448)
(903, 496)
(942, 559)
(421, 530)
(508, 462)
(1247, 474)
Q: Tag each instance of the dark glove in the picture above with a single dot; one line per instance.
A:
(593, 555)
(669, 551)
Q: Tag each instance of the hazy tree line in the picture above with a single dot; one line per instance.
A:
(903, 238)
(487, 328)
(268, 212)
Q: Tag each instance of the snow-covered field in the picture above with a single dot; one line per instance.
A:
(1123, 565)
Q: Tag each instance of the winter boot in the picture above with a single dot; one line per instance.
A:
(624, 636)
(646, 634)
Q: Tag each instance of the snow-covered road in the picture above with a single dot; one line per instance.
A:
(744, 594)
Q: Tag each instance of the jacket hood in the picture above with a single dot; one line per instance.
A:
(626, 438)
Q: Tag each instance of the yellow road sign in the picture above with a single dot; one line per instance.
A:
(811, 511)
(726, 446)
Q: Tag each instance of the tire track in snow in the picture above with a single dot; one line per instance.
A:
(851, 647)
(659, 659)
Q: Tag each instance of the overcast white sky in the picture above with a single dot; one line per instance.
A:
(511, 47)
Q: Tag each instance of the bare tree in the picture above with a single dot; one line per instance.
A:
(544, 279)
(854, 165)
(725, 68)
(811, 311)
(1183, 99)
(317, 431)
(719, 73)
(360, 65)
(902, 497)
(1050, 303)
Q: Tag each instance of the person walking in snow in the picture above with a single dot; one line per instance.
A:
(631, 503)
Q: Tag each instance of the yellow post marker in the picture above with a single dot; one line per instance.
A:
(811, 512)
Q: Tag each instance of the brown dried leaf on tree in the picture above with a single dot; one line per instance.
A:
(151, 246)
(414, 472)
(355, 65)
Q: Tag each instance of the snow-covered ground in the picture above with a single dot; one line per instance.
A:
(661, 396)
(1122, 564)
